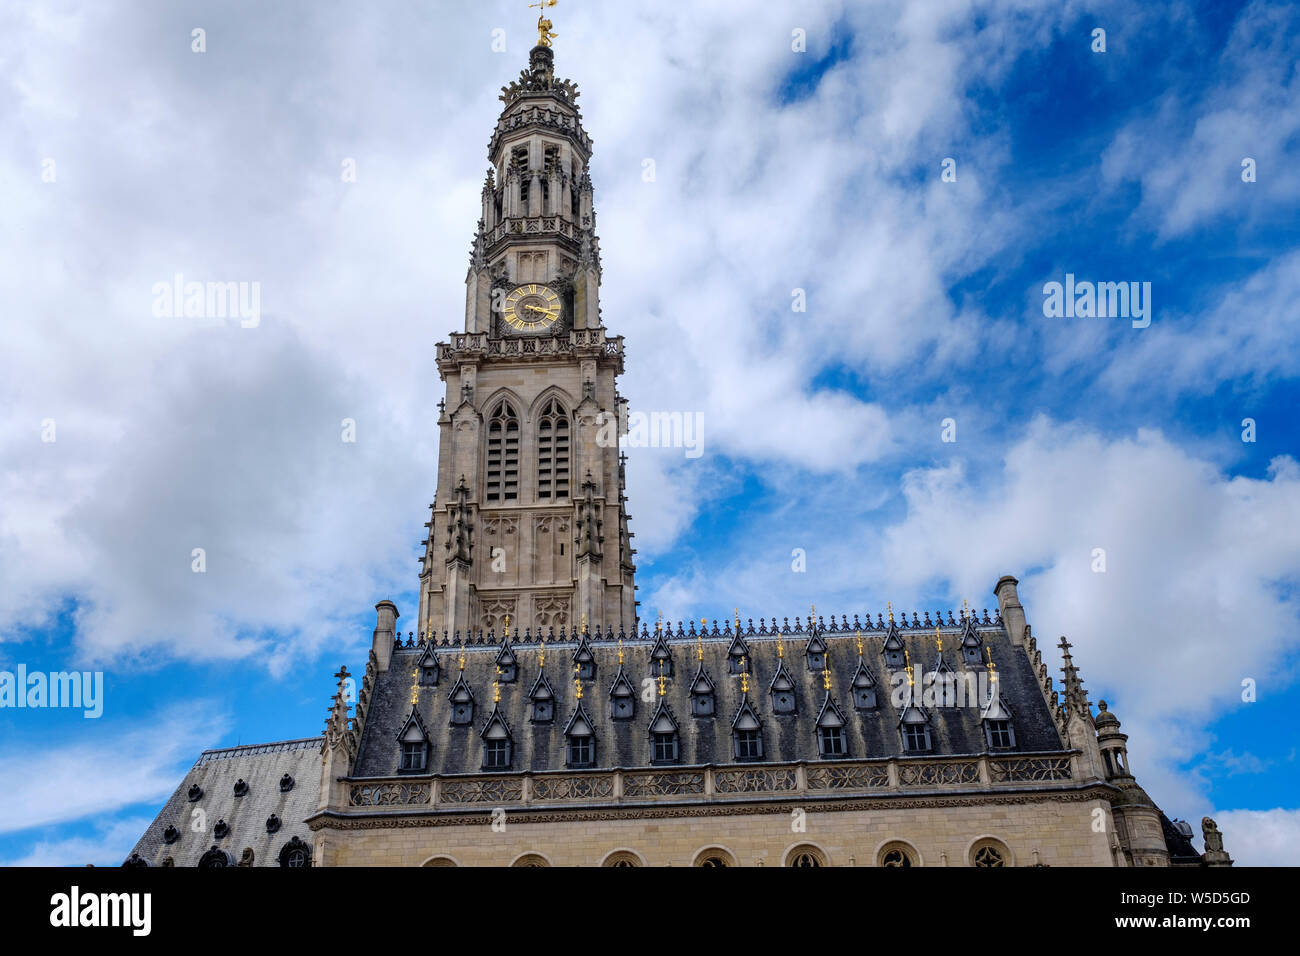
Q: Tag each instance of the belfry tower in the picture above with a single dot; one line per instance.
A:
(529, 519)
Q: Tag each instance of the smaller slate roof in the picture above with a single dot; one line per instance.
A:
(261, 767)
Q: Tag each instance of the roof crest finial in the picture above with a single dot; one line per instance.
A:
(544, 34)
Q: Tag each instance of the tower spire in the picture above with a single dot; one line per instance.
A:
(1076, 698)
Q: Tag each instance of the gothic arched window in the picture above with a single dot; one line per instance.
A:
(553, 452)
(503, 454)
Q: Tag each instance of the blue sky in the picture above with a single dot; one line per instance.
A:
(774, 170)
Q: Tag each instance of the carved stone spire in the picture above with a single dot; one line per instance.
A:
(1076, 698)
(589, 538)
(460, 527)
(337, 732)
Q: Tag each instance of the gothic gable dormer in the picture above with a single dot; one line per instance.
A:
(663, 721)
(738, 655)
(580, 739)
(665, 744)
(622, 697)
(703, 694)
(864, 687)
(429, 668)
(507, 663)
(972, 645)
(814, 653)
(747, 732)
(542, 699)
(832, 742)
(413, 744)
(580, 723)
(584, 660)
(661, 658)
(914, 726)
(782, 691)
(462, 702)
(498, 744)
(894, 648)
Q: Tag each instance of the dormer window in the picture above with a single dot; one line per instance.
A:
(580, 740)
(737, 656)
(496, 743)
(286, 783)
(585, 661)
(429, 669)
(894, 649)
(241, 788)
(542, 700)
(831, 741)
(665, 748)
(971, 644)
(507, 665)
(414, 745)
(747, 734)
(914, 725)
(703, 701)
(582, 751)
(1000, 735)
(815, 653)
(916, 738)
(864, 688)
(782, 691)
(622, 698)
(661, 658)
(663, 735)
(414, 754)
(462, 703)
(295, 854)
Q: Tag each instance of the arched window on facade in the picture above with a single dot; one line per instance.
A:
(503, 454)
(553, 452)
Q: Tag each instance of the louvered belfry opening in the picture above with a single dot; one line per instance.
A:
(553, 452)
(503, 454)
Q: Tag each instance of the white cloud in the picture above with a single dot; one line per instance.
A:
(1190, 169)
(103, 772)
(1261, 837)
(109, 846)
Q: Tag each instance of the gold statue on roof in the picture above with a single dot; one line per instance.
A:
(544, 34)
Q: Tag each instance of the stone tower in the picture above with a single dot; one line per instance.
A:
(529, 519)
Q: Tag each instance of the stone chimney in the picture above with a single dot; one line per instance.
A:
(1013, 615)
(385, 633)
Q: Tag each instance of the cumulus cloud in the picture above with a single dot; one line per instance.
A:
(1261, 837)
(108, 846)
(105, 771)
(1188, 156)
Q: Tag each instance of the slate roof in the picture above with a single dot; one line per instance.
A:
(626, 743)
(261, 767)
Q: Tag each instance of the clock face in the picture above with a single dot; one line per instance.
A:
(531, 308)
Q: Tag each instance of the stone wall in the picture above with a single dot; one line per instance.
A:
(1055, 831)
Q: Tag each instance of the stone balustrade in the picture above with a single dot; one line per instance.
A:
(981, 773)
